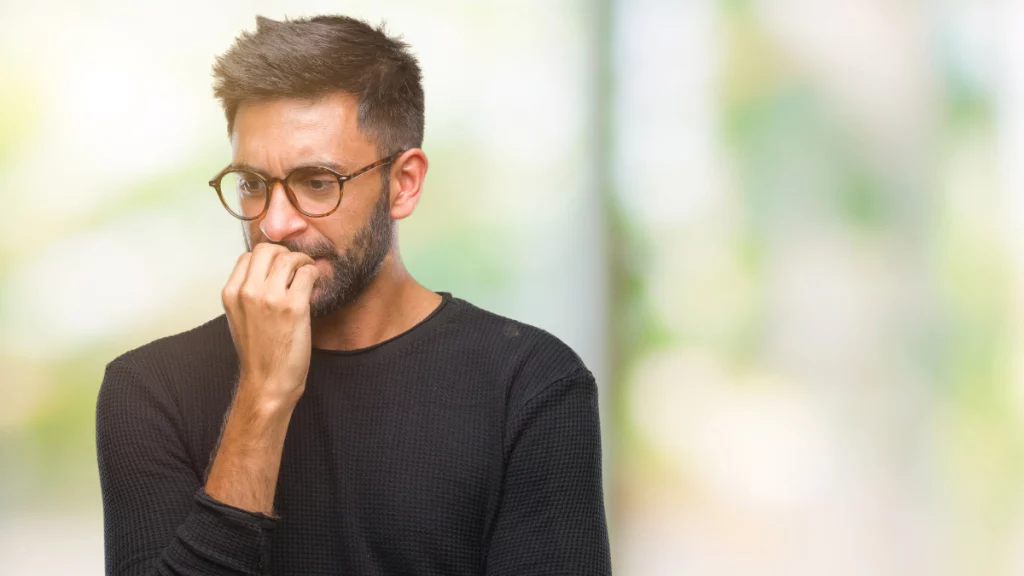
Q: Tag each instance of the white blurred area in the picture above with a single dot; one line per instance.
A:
(802, 296)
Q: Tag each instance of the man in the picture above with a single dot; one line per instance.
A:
(340, 418)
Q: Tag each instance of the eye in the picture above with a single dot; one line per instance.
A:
(245, 184)
(318, 183)
(314, 183)
(250, 185)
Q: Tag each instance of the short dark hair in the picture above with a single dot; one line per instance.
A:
(312, 57)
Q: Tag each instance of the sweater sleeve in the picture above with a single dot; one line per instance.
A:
(157, 518)
(551, 518)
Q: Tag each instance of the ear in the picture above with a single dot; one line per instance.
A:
(407, 174)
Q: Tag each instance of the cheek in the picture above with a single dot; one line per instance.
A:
(337, 231)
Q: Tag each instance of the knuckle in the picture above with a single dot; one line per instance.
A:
(248, 293)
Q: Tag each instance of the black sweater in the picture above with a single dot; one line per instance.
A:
(469, 444)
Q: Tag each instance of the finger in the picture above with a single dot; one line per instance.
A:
(229, 295)
(302, 285)
(283, 269)
(263, 255)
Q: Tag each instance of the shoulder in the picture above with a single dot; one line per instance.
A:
(528, 358)
(175, 357)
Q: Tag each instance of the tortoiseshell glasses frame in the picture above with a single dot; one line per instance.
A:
(271, 183)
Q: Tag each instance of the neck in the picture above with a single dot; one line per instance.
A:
(391, 304)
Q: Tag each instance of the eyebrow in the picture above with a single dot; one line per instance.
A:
(314, 164)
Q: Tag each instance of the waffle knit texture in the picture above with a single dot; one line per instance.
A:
(469, 444)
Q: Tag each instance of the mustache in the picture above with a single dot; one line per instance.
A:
(322, 249)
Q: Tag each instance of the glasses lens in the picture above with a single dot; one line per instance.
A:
(244, 193)
(317, 191)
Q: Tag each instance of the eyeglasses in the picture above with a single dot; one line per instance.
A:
(315, 191)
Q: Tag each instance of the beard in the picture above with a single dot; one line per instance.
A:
(352, 270)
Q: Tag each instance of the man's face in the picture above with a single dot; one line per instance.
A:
(349, 246)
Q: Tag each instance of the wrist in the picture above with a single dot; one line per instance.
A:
(262, 400)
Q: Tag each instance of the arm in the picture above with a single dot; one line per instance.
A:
(157, 518)
(248, 457)
(551, 518)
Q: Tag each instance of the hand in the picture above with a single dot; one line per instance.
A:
(267, 304)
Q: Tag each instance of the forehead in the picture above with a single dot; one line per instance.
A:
(272, 133)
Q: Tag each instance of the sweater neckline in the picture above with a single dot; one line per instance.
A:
(414, 333)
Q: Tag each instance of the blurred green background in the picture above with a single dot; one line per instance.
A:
(781, 232)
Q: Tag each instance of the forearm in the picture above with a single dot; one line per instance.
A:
(248, 458)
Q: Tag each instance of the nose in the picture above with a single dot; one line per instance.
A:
(282, 219)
